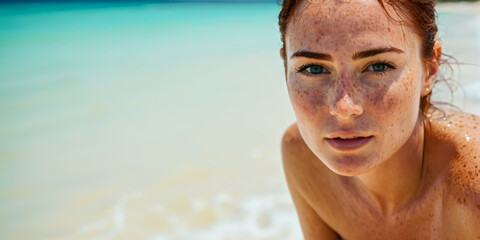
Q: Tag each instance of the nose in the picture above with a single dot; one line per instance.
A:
(344, 107)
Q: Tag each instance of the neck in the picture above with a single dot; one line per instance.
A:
(395, 181)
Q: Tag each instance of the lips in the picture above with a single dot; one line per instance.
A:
(348, 143)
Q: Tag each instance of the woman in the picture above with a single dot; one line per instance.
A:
(369, 157)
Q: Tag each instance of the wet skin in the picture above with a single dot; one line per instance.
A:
(352, 72)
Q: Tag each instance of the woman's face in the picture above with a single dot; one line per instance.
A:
(355, 80)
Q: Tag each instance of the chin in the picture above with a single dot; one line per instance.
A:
(349, 165)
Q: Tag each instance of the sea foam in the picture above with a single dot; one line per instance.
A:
(261, 217)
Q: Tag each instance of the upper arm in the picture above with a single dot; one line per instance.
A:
(293, 155)
(313, 227)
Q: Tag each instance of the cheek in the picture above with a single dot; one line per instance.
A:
(397, 109)
(307, 99)
(399, 97)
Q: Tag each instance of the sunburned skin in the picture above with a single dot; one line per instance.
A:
(354, 73)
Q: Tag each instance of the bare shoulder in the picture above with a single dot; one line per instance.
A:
(297, 156)
(457, 126)
(303, 169)
(294, 151)
(309, 184)
(293, 146)
(462, 132)
(292, 138)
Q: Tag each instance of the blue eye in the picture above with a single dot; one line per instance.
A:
(378, 67)
(312, 69)
(315, 69)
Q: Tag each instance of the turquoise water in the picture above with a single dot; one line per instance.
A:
(103, 103)
(154, 121)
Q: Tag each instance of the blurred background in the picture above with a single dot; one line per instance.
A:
(158, 120)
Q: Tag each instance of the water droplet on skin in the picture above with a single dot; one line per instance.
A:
(468, 138)
(448, 125)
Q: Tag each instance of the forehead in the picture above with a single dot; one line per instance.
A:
(327, 25)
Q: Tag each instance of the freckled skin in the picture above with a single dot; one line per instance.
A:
(378, 96)
(461, 178)
(418, 178)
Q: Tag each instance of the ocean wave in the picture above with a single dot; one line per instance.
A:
(262, 217)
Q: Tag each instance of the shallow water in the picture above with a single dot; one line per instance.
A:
(155, 121)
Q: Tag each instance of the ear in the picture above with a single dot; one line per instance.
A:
(282, 53)
(431, 68)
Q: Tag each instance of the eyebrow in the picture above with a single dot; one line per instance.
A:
(307, 54)
(358, 55)
(373, 52)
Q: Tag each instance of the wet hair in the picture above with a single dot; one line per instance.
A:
(419, 15)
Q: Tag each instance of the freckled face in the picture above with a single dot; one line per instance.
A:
(352, 73)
